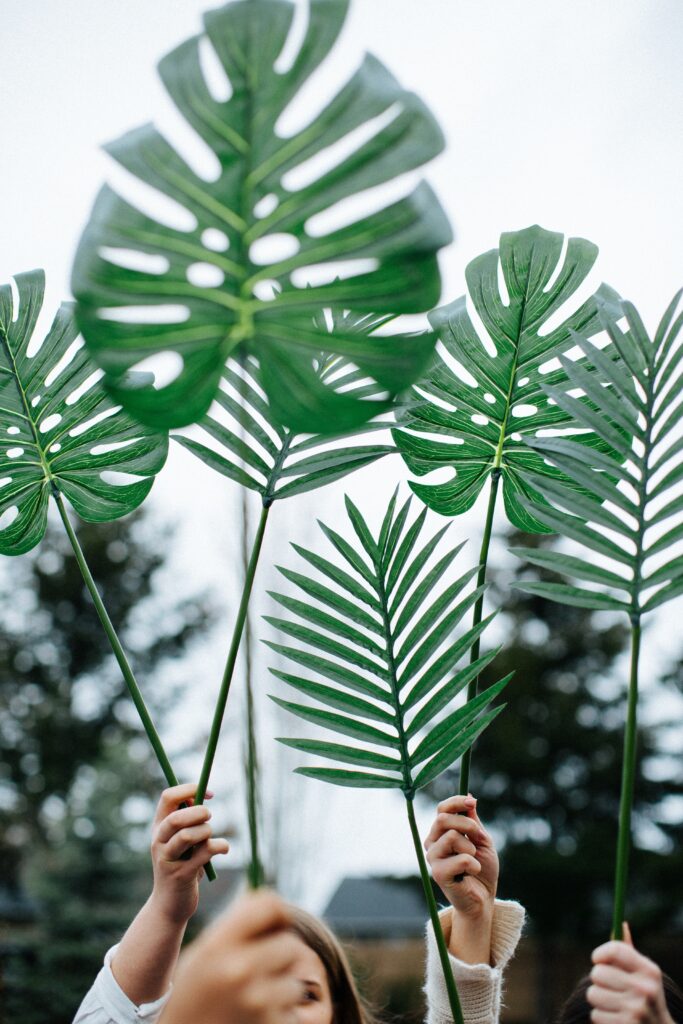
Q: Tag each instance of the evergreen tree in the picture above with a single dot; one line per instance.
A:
(75, 762)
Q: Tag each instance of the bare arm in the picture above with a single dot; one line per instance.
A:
(147, 956)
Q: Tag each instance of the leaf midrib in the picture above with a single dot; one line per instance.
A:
(49, 479)
(408, 785)
(642, 464)
(502, 438)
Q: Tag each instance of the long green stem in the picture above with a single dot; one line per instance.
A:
(453, 998)
(119, 654)
(232, 658)
(477, 615)
(255, 875)
(627, 784)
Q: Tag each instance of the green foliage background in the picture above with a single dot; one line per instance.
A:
(73, 756)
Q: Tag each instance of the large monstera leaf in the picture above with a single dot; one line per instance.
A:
(60, 432)
(484, 424)
(251, 447)
(259, 304)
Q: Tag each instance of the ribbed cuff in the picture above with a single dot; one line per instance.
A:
(479, 985)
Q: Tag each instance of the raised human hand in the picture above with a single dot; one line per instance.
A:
(239, 971)
(626, 987)
(462, 856)
(178, 830)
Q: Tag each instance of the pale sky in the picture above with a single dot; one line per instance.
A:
(561, 112)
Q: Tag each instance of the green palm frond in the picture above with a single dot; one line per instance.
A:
(251, 447)
(483, 425)
(236, 296)
(374, 637)
(628, 515)
(61, 434)
(628, 512)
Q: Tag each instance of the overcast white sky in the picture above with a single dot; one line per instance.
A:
(561, 112)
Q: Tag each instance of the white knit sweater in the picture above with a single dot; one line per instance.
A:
(479, 985)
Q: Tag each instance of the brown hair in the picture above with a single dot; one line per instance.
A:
(348, 1005)
(576, 1010)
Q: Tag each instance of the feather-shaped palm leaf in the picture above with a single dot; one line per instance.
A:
(376, 656)
(61, 435)
(377, 632)
(252, 447)
(268, 186)
(628, 513)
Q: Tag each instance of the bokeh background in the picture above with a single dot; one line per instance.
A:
(562, 113)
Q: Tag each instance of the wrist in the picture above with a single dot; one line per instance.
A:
(171, 908)
(475, 906)
(469, 934)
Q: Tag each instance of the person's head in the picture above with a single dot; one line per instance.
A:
(330, 995)
(576, 1010)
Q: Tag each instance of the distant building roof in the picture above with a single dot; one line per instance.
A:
(380, 907)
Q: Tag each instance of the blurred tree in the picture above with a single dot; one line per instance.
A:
(74, 763)
(547, 775)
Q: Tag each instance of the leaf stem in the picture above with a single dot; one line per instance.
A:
(477, 615)
(451, 987)
(255, 875)
(232, 658)
(119, 654)
(627, 786)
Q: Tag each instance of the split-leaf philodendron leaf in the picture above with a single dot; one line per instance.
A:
(252, 448)
(268, 189)
(59, 430)
(485, 421)
(377, 657)
(630, 509)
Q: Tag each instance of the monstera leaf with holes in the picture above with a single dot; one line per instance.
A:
(477, 426)
(60, 437)
(254, 449)
(61, 432)
(258, 304)
(625, 509)
(483, 422)
(374, 654)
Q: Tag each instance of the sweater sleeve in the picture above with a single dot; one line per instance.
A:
(107, 1003)
(479, 985)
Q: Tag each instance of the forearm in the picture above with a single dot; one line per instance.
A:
(469, 935)
(479, 983)
(147, 955)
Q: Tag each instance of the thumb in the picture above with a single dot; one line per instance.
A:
(626, 934)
